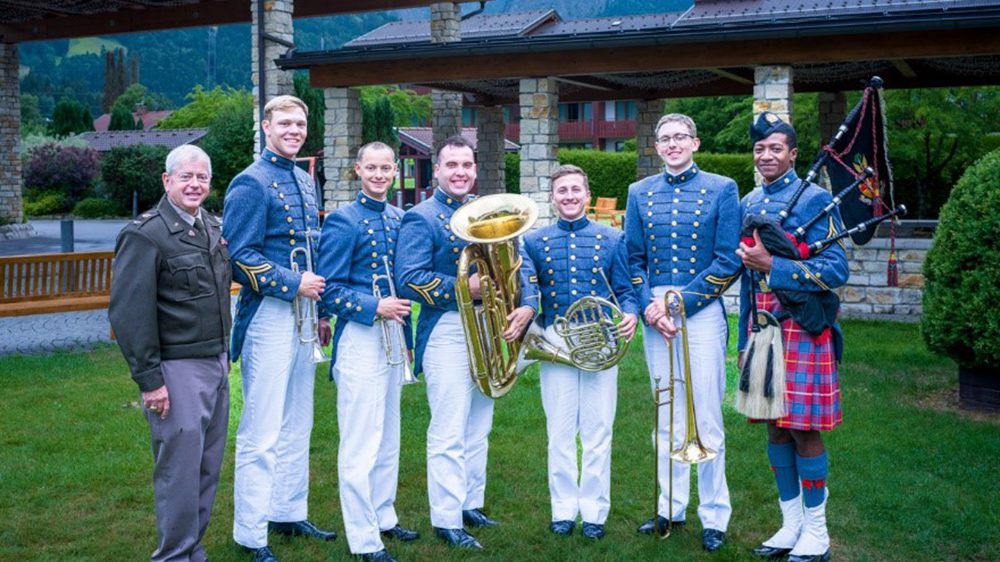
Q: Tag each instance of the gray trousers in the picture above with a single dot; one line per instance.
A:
(187, 453)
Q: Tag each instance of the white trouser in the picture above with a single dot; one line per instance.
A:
(272, 442)
(368, 417)
(458, 435)
(707, 347)
(579, 403)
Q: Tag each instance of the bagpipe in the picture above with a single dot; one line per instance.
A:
(857, 159)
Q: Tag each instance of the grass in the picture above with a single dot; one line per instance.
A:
(911, 477)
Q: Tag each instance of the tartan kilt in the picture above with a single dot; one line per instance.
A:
(812, 383)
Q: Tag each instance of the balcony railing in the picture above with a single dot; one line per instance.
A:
(582, 130)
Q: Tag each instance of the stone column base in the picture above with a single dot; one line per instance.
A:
(17, 231)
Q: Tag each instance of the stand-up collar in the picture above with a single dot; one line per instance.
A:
(573, 226)
(443, 197)
(368, 202)
(685, 176)
(784, 181)
(280, 161)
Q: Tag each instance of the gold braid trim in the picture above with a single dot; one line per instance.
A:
(251, 272)
(425, 289)
(832, 231)
(811, 276)
(637, 280)
(723, 282)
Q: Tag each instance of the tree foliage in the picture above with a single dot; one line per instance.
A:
(409, 108)
(230, 146)
(70, 117)
(123, 120)
(69, 170)
(135, 168)
(378, 122)
(962, 271)
(317, 110)
(203, 105)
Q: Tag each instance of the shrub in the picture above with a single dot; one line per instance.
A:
(134, 168)
(70, 170)
(736, 166)
(44, 203)
(229, 143)
(96, 207)
(961, 318)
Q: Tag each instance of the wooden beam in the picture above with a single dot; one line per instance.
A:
(730, 76)
(904, 68)
(211, 12)
(589, 83)
(716, 54)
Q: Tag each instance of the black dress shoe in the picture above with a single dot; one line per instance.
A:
(401, 534)
(712, 539)
(300, 528)
(564, 528)
(476, 518)
(593, 530)
(825, 557)
(458, 538)
(770, 552)
(661, 525)
(262, 554)
(380, 556)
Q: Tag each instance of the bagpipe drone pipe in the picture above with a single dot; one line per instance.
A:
(857, 165)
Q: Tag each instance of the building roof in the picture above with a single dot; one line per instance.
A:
(170, 138)
(713, 48)
(421, 139)
(480, 27)
(149, 119)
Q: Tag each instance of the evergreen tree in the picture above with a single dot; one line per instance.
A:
(317, 108)
(133, 75)
(71, 117)
(378, 122)
(122, 119)
(108, 98)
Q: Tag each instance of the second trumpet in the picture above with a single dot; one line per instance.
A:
(393, 336)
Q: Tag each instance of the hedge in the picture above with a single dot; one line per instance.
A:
(961, 318)
(611, 173)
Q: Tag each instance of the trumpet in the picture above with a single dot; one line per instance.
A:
(691, 451)
(393, 337)
(306, 314)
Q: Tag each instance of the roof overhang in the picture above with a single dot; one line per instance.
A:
(727, 53)
(31, 20)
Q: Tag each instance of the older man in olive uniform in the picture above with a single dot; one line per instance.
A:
(170, 310)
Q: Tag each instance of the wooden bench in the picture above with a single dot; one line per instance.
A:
(606, 208)
(45, 283)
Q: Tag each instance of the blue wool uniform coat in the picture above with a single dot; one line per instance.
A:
(565, 260)
(427, 264)
(354, 243)
(683, 230)
(269, 208)
(823, 272)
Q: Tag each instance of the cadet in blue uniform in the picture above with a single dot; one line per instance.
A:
(270, 209)
(812, 387)
(461, 416)
(568, 258)
(356, 242)
(682, 229)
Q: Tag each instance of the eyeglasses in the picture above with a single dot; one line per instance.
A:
(676, 137)
(187, 177)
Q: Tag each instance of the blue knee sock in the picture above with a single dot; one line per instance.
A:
(782, 457)
(813, 471)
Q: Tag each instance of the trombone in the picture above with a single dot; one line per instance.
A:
(393, 337)
(691, 451)
(306, 315)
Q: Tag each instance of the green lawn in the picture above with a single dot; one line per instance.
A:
(911, 478)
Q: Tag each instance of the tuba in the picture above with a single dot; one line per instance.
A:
(691, 451)
(305, 310)
(491, 225)
(393, 335)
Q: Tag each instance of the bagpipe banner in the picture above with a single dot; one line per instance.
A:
(860, 143)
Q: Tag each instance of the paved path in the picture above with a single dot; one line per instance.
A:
(88, 235)
(61, 331)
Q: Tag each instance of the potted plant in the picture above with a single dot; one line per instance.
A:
(961, 315)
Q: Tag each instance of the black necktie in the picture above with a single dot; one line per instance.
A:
(199, 228)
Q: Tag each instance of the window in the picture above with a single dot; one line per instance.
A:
(468, 116)
(570, 112)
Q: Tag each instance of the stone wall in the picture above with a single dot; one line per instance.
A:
(342, 139)
(490, 151)
(446, 107)
(539, 99)
(277, 23)
(10, 138)
(866, 294)
(648, 162)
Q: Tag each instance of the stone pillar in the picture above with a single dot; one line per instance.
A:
(490, 151)
(539, 141)
(832, 110)
(446, 107)
(772, 91)
(342, 139)
(277, 23)
(11, 211)
(648, 162)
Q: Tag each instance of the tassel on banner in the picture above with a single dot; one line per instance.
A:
(892, 269)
